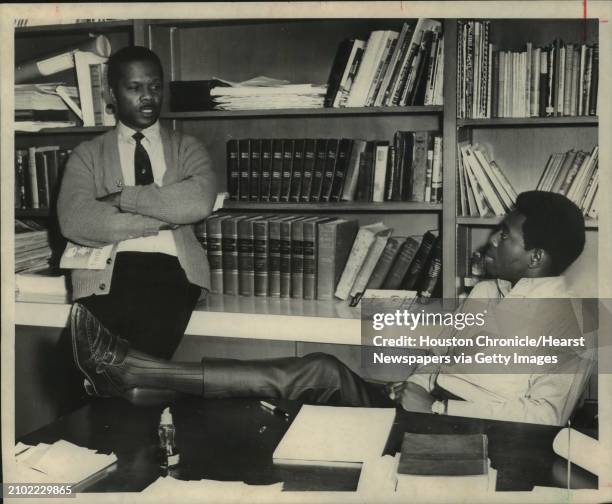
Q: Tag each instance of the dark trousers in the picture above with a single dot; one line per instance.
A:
(149, 304)
(316, 378)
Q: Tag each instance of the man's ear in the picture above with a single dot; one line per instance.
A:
(539, 258)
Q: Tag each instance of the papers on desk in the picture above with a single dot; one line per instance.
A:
(210, 490)
(344, 437)
(61, 462)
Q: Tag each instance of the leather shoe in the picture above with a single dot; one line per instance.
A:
(98, 353)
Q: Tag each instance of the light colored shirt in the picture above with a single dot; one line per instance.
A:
(543, 398)
(163, 242)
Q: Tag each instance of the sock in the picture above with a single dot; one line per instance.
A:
(141, 370)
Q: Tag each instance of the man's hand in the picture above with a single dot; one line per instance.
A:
(113, 199)
(411, 397)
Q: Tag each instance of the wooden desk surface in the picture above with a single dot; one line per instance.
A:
(234, 440)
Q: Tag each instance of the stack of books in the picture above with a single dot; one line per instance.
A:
(484, 190)
(389, 69)
(282, 96)
(559, 79)
(38, 171)
(39, 106)
(574, 174)
(32, 250)
(336, 169)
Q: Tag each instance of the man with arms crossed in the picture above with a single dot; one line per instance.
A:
(534, 245)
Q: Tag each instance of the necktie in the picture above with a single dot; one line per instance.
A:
(142, 164)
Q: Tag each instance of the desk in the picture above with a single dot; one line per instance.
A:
(226, 440)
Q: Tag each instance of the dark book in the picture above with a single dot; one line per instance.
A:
(351, 177)
(401, 265)
(345, 147)
(187, 96)
(266, 170)
(594, 81)
(337, 71)
(318, 170)
(417, 94)
(310, 252)
(53, 173)
(310, 146)
(431, 280)
(296, 170)
(404, 155)
(285, 190)
(335, 239)
(544, 86)
(229, 251)
(418, 267)
(443, 454)
(244, 168)
(391, 172)
(32, 182)
(42, 179)
(43, 115)
(21, 169)
(331, 159)
(261, 244)
(384, 264)
(422, 143)
(246, 256)
(274, 252)
(297, 258)
(214, 251)
(286, 255)
(276, 172)
(255, 170)
(365, 181)
(233, 170)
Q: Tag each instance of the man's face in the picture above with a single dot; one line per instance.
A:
(138, 94)
(505, 256)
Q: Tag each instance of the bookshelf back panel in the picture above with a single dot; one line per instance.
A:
(513, 34)
(215, 133)
(238, 52)
(522, 153)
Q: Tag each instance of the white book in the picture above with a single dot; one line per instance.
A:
(359, 91)
(348, 75)
(370, 262)
(483, 182)
(392, 68)
(380, 173)
(498, 184)
(82, 60)
(479, 197)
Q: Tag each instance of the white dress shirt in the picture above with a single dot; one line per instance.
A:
(163, 242)
(546, 398)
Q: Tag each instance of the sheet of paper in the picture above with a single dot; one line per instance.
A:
(335, 435)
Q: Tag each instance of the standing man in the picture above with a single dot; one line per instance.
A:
(139, 187)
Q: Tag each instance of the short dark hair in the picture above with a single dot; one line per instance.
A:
(127, 55)
(552, 223)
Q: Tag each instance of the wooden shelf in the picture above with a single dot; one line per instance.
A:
(334, 207)
(75, 27)
(275, 113)
(495, 220)
(84, 130)
(528, 121)
(21, 213)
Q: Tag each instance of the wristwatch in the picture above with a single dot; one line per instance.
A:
(439, 407)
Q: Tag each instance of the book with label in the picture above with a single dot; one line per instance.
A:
(310, 252)
(369, 264)
(233, 170)
(296, 170)
(385, 262)
(318, 169)
(261, 256)
(329, 171)
(286, 254)
(244, 168)
(266, 169)
(335, 239)
(214, 250)
(246, 256)
(274, 252)
(401, 265)
(287, 170)
(255, 170)
(276, 170)
(310, 149)
(351, 177)
(420, 261)
(229, 251)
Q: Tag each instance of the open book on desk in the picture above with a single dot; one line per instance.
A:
(335, 436)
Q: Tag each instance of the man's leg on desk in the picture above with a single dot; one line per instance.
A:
(113, 369)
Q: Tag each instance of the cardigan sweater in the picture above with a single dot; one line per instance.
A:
(93, 171)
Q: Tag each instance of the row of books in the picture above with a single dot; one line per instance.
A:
(483, 187)
(378, 260)
(389, 69)
(333, 169)
(39, 106)
(32, 249)
(38, 172)
(575, 174)
(560, 79)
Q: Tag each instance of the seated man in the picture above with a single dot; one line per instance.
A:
(535, 244)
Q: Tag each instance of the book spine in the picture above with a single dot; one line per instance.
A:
(364, 183)
(335, 240)
(383, 266)
(229, 252)
(351, 178)
(285, 258)
(261, 243)
(419, 263)
(419, 165)
(297, 260)
(434, 272)
(21, 168)
(341, 60)
(32, 177)
(307, 173)
(274, 252)
(296, 171)
(361, 246)
(276, 170)
(380, 171)
(246, 257)
(594, 82)
(310, 252)
(266, 170)
(255, 169)
(436, 176)
(288, 156)
(244, 161)
(215, 253)
(331, 159)
(42, 180)
(318, 170)
(400, 267)
(233, 171)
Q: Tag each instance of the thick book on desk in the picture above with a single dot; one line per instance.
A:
(443, 454)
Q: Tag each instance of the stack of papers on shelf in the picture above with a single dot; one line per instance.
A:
(265, 93)
(38, 288)
(32, 250)
(335, 436)
(61, 462)
(39, 106)
(213, 490)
